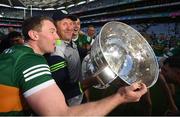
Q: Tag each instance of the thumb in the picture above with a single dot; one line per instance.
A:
(135, 86)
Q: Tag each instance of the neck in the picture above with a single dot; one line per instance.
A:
(65, 40)
(75, 37)
(34, 46)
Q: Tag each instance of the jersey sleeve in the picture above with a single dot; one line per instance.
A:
(58, 67)
(172, 52)
(88, 39)
(33, 74)
(60, 73)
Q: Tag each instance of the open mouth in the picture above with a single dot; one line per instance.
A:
(76, 30)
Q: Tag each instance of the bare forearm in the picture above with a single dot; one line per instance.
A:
(50, 101)
(102, 107)
(127, 94)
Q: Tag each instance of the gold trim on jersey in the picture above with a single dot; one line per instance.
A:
(10, 99)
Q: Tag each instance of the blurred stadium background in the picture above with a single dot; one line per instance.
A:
(150, 16)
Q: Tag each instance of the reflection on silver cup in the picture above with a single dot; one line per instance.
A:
(120, 52)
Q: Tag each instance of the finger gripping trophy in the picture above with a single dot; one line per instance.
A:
(120, 55)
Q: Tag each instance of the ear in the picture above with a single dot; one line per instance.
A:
(33, 35)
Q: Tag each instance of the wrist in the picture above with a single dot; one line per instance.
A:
(120, 98)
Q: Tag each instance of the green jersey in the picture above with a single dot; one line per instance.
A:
(22, 73)
(175, 51)
(83, 41)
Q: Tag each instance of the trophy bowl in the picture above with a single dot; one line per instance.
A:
(120, 55)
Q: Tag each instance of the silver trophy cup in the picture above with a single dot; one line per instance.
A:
(120, 55)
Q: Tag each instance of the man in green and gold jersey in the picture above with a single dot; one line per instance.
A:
(23, 70)
(82, 41)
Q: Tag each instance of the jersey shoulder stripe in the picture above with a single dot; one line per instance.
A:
(35, 71)
(35, 67)
(31, 71)
(36, 75)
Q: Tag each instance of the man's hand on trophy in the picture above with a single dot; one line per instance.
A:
(132, 93)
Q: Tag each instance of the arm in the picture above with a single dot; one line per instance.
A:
(50, 101)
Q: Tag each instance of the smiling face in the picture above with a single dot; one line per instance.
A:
(65, 29)
(46, 37)
(77, 27)
(91, 31)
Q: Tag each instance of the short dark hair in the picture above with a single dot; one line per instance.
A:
(33, 23)
(61, 14)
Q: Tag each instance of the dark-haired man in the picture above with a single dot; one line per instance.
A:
(24, 71)
(82, 41)
(91, 31)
